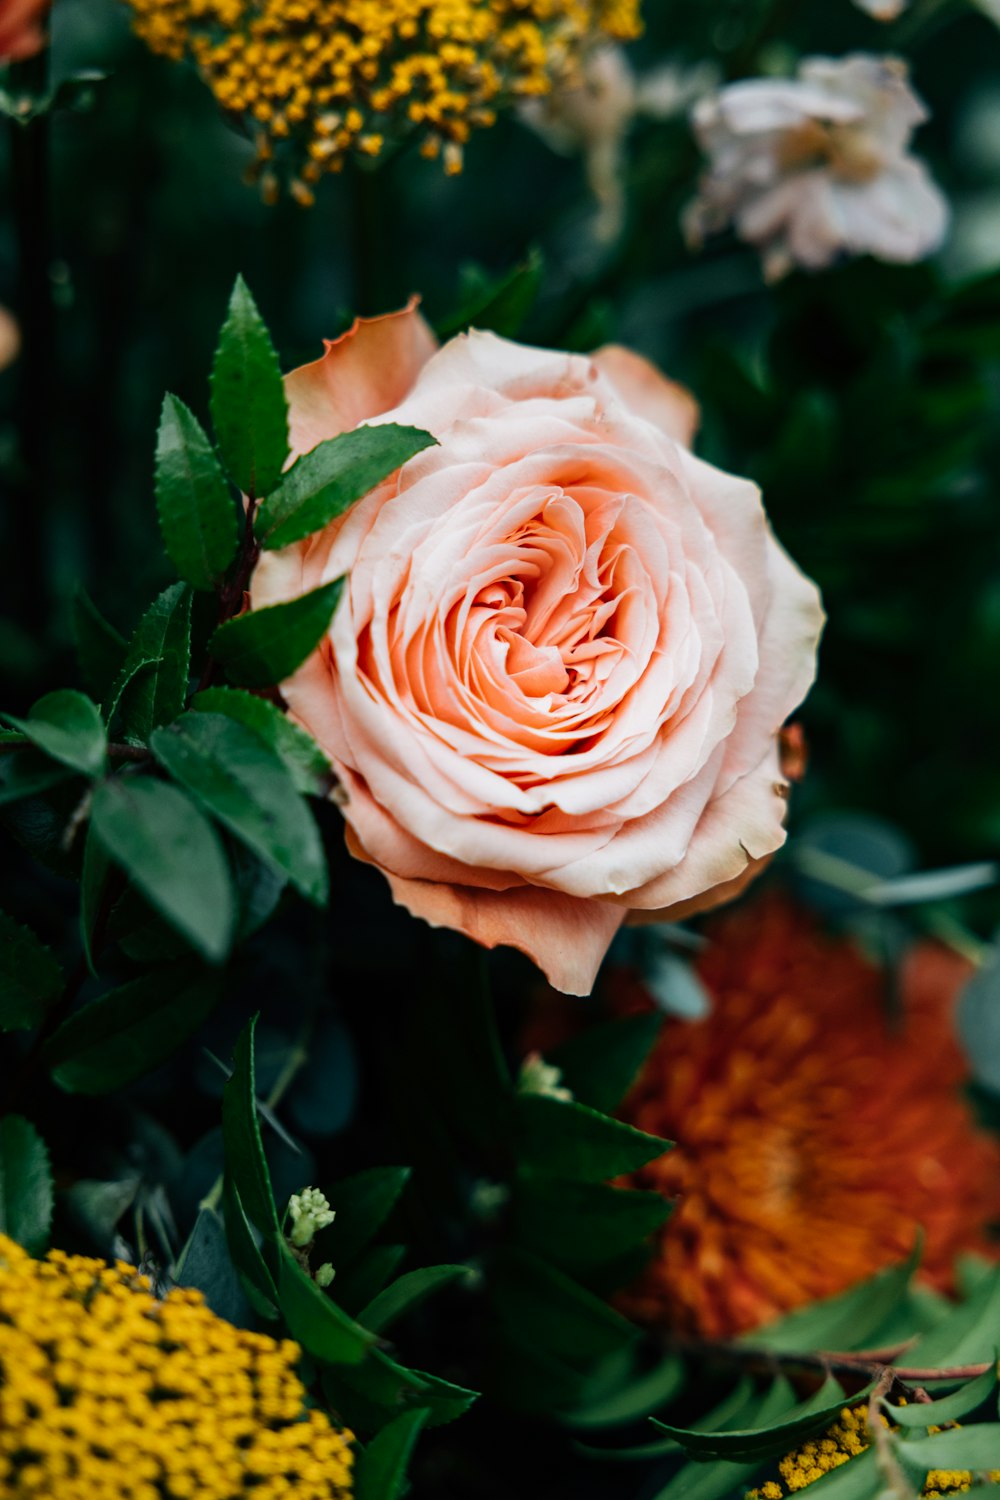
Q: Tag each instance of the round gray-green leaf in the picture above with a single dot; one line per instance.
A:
(26, 1195)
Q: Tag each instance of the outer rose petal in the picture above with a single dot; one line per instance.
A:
(22, 30)
(365, 372)
(649, 394)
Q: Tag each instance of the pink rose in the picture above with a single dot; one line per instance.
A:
(553, 687)
(22, 28)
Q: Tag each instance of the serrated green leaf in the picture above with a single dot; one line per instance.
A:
(153, 683)
(947, 1408)
(30, 977)
(26, 1190)
(766, 1438)
(370, 1394)
(381, 1470)
(501, 305)
(257, 1280)
(132, 1030)
(969, 1335)
(302, 757)
(195, 508)
(601, 1064)
(362, 1204)
(240, 781)
(965, 1448)
(267, 645)
(579, 1225)
(322, 1328)
(67, 726)
(100, 648)
(249, 409)
(246, 1164)
(559, 1139)
(325, 482)
(407, 1293)
(172, 854)
(843, 1322)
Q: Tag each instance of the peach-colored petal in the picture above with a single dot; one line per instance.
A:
(566, 938)
(22, 28)
(365, 372)
(665, 403)
(10, 338)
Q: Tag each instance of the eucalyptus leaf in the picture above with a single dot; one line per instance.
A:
(26, 1190)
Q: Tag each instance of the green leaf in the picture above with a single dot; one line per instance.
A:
(26, 1191)
(205, 1263)
(303, 759)
(636, 1399)
(539, 1305)
(92, 885)
(325, 482)
(249, 410)
(30, 977)
(949, 1408)
(246, 1163)
(978, 1018)
(26, 773)
(172, 854)
(963, 1448)
(362, 1204)
(314, 1319)
(153, 683)
(363, 1280)
(968, 1335)
(67, 726)
(501, 305)
(406, 1293)
(100, 648)
(768, 1438)
(601, 1064)
(132, 1030)
(267, 645)
(381, 1471)
(370, 1394)
(579, 1225)
(842, 1322)
(571, 1140)
(257, 1280)
(240, 781)
(702, 1480)
(193, 501)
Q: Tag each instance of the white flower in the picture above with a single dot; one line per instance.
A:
(309, 1212)
(594, 113)
(883, 10)
(539, 1077)
(817, 166)
(325, 1274)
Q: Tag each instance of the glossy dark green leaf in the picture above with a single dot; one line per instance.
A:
(365, 1277)
(407, 1293)
(100, 648)
(28, 773)
(381, 1469)
(257, 1280)
(26, 1191)
(153, 683)
(205, 1264)
(131, 1030)
(314, 1319)
(243, 783)
(969, 1335)
(707, 1480)
(573, 1141)
(766, 1438)
(246, 1163)
(963, 1448)
(362, 1204)
(325, 482)
(249, 410)
(302, 757)
(68, 726)
(500, 305)
(636, 1398)
(267, 645)
(579, 1225)
(30, 977)
(947, 1408)
(193, 501)
(541, 1305)
(601, 1064)
(842, 1322)
(171, 852)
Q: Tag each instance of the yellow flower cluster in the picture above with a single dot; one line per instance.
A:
(848, 1437)
(107, 1393)
(344, 76)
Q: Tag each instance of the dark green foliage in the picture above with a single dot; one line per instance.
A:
(267, 645)
(26, 1191)
(196, 510)
(30, 977)
(249, 410)
(67, 726)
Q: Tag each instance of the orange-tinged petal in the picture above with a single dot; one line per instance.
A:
(648, 393)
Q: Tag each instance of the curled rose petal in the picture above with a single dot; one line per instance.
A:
(566, 647)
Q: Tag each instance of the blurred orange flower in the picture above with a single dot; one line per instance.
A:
(22, 28)
(815, 1132)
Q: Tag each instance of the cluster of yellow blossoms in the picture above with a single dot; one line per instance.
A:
(107, 1393)
(345, 76)
(848, 1437)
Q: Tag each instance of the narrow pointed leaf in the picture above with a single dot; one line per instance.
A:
(314, 1319)
(406, 1293)
(843, 1322)
(92, 884)
(768, 1438)
(266, 646)
(236, 778)
(323, 483)
(570, 1140)
(601, 1064)
(26, 1191)
(362, 1204)
(246, 1163)
(381, 1473)
(193, 501)
(257, 1280)
(67, 726)
(30, 977)
(153, 684)
(249, 410)
(172, 854)
(962, 1448)
(949, 1408)
(100, 648)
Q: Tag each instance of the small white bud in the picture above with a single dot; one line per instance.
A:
(309, 1212)
(539, 1077)
(325, 1274)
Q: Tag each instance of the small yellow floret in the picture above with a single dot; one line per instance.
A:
(107, 1393)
